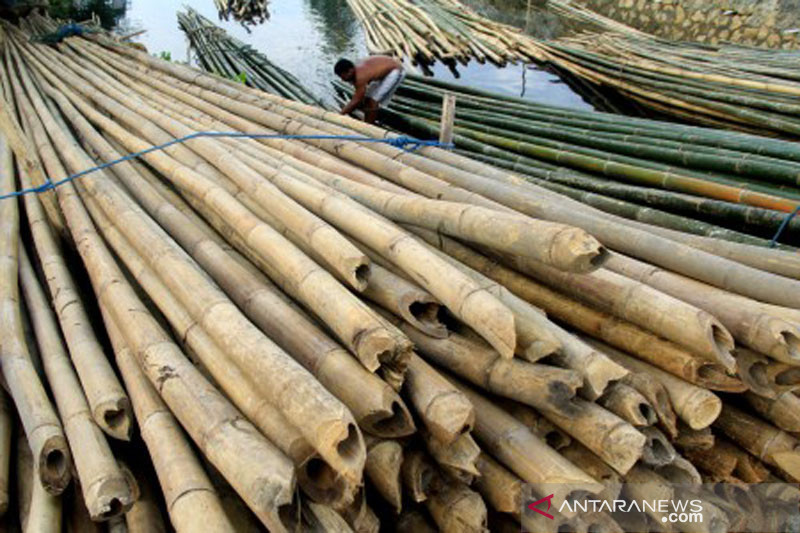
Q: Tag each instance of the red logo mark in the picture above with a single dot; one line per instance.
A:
(532, 506)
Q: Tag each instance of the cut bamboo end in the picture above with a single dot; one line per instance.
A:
(713, 376)
(657, 450)
(325, 485)
(384, 464)
(108, 498)
(574, 250)
(627, 403)
(419, 475)
(54, 463)
(457, 509)
(114, 416)
(424, 315)
(359, 269)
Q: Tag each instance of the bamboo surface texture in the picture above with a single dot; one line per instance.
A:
(322, 334)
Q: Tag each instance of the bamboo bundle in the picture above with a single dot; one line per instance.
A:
(246, 12)
(446, 30)
(221, 54)
(198, 237)
(728, 185)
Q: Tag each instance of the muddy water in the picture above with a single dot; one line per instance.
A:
(306, 37)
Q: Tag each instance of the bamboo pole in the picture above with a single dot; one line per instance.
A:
(764, 376)
(144, 515)
(455, 508)
(537, 424)
(627, 403)
(502, 490)
(5, 451)
(383, 466)
(456, 459)
(42, 427)
(109, 405)
(39, 511)
(725, 460)
(105, 488)
(419, 475)
(783, 411)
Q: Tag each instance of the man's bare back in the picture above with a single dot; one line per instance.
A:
(372, 69)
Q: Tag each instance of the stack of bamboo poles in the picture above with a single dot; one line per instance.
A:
(426, 30)
(737, 87)
(415, 338)
(246, 12)
(226, 56)
(728, 185)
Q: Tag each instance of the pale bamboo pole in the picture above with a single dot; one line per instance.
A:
(511, 443)
(108, 402)
(339, 254)
(302, 278)
(764, 376)
(144, 515)
(377, 408)
(560, 246)
(696, 406)
(39, 511)
(773, 446)
(665, 316)
(468, 356)
(42, 426)
(5, 451)
(419, 475)
(481, 310)
(628, 404)
(105, 488)
(240, 339)
(774, 332)
(456, 509)
(444, 410)
(783, 411)
(384, 462)
(190, 498)
(596, 369)
(315, 476)
(536, 423)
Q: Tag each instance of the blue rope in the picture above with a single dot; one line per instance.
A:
(408, 144)
(783, 225)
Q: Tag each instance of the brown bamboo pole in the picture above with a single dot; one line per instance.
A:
(376, 407)
(783, 411)
(108, 402)
(303, 279)
(384, 462)
(455, 509)
(689, 440)
(620, 334)
(764, 376)
(319, 480)
(42, 427)
(5, 451)
(502, 490)
(589, 462)
(536, 423)
(468, 356)
(696, 406)
(221, 320)
(444, 410)
(511, 443)
(419, 475)
(768, 443)
(725, 460)
(775, 334)
(360, 516)
(105, 488)
(635, 302)
(627, 403)
(456, 459)
(39, 511)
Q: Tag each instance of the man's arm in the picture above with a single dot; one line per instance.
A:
(355, 101)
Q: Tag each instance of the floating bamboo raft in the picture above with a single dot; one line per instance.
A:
(221, 54)
(326, 334)
(706, 182)
(246, 12)
(426, 30)
(737, 87)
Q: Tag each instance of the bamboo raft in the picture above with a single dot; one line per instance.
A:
(733, 86)
(246, 12)
(447, 30)
(219, 53)
(323, 334)
(706, 182)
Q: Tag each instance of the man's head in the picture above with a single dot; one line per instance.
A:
(345, 69)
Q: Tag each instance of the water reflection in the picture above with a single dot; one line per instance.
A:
(306, 37)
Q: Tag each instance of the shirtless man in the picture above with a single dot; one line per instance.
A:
(375, 79)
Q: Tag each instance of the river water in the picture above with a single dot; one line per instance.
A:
(306, 37)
